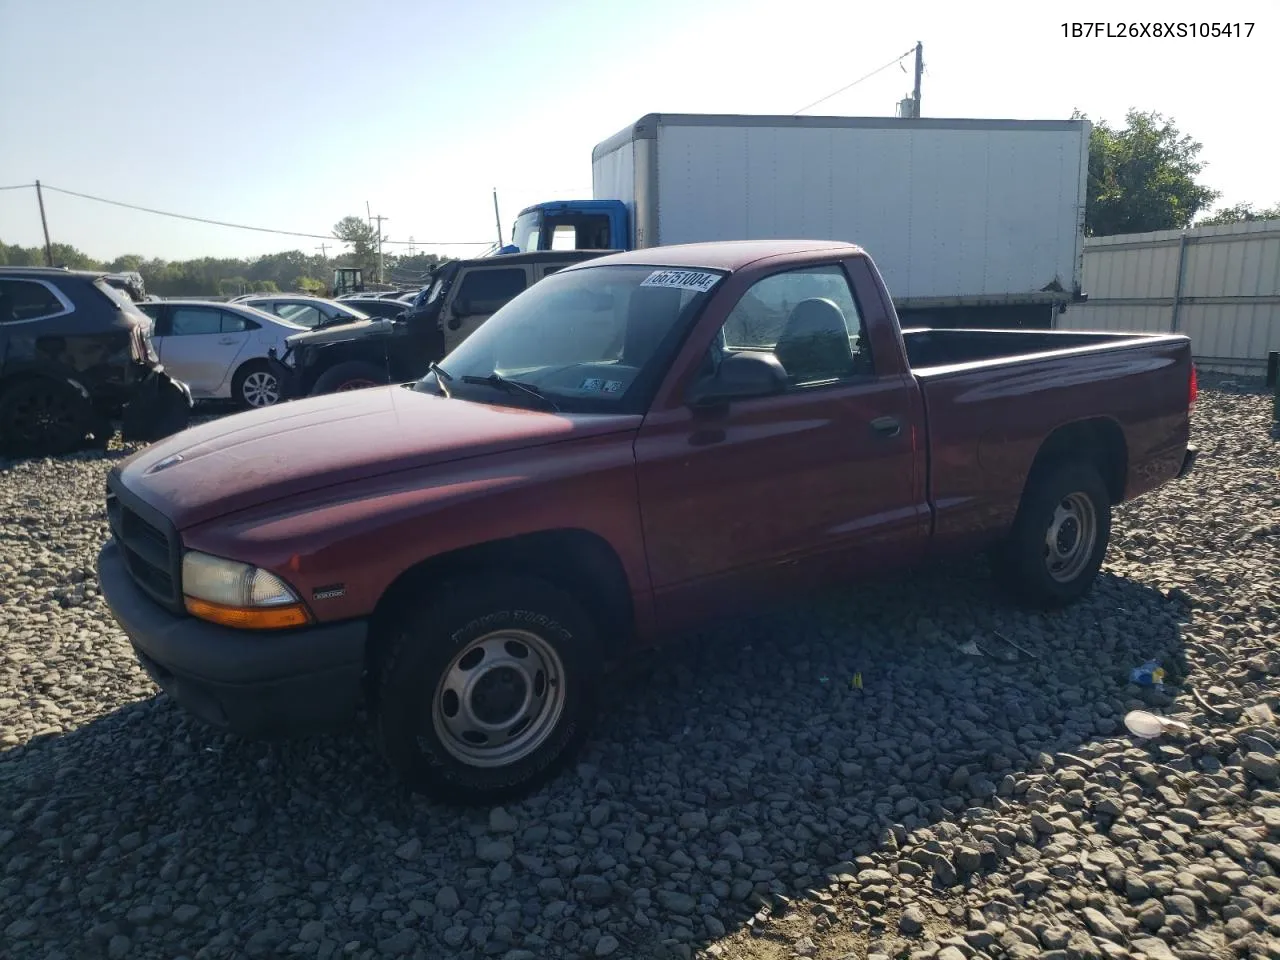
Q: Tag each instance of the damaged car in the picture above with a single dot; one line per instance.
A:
(75, 356)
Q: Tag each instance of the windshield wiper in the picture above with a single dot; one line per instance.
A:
(441, 377)
(502, 383)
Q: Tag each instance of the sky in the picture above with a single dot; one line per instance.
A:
(291, 115)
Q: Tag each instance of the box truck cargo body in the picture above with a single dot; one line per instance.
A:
(963, 215)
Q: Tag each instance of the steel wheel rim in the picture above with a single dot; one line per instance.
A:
(1071, 537)
(499, 699)
(354, 385)
(260, 389)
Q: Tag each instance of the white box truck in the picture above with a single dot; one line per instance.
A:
(971, 222)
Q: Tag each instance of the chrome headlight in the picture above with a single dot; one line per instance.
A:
(238, 594)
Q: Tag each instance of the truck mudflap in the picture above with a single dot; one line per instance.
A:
(1188, 461)
(160, 406)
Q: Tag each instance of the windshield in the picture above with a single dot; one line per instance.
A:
(591, 340)
(525, 234)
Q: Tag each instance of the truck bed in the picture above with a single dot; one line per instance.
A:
(991, 397)
(929, 348)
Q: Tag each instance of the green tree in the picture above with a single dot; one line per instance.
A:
(311, 286)
(1240, 213)
(130, 262)
(1142, 176)
(363, 240)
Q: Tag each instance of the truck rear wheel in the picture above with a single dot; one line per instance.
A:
(486, 689)
(1059, 537)
(352, 375)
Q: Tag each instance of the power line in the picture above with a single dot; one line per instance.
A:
(242, 226)
(20, 186)
(868, 76)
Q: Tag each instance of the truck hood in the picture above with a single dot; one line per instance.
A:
(374, 326)
(252, 458)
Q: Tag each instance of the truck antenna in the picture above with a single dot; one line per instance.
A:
(496, 216)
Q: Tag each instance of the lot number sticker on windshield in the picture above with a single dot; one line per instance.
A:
(682, 280)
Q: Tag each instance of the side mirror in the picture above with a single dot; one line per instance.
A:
(740, 376)
(461, 308)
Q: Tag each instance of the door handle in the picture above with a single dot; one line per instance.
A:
(886, 426)
(227, 341)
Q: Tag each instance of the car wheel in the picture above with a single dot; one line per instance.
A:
(1059, 537)
(486, 689)
(254, 385)
(352, 375)
(43, 417)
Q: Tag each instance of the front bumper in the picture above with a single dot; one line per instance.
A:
(263, 684)
(288, 378)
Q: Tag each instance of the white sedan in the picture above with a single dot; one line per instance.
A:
(220, 349)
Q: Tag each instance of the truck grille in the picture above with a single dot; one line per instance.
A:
(150, 545)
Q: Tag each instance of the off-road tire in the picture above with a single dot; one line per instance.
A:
(1024, 563)
(419, 650)
(351, 375)
(242, 375)
(43, 417)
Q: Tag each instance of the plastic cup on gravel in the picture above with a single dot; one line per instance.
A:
(1148, 725)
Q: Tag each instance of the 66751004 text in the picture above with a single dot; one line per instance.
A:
(1161, 30)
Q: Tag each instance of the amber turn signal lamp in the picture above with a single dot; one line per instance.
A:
(249, 618)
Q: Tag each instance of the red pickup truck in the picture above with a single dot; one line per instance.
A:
(633, 445)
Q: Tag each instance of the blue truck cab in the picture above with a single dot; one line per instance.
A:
(572, 225)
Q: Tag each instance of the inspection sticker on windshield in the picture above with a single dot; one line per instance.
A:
(682, 280)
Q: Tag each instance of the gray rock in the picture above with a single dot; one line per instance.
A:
(1262, 766)
(399, 944)
(1098, 923)
(1153, 948)
(606, 946)
(502, 822)
(494, 850)
(410, 849)
(676, 902)
(1152, 916)
(968, 859)
(447, 900)
(912, 920)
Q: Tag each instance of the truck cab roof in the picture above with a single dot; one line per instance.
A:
(728, 255)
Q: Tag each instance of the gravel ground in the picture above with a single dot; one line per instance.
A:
(745, 798)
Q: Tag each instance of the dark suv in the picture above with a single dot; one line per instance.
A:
(75, 354)
(458, 297)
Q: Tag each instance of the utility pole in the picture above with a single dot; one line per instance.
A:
(48, 247)
(412, 252)
(367, 213)
(380, 218)
(324, 252)
(497, 216)
(915, 96)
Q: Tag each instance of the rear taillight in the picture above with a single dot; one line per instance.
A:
(1193, 389)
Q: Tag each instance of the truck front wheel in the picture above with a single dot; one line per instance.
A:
(1059, 537)
(351, 375)
(486, 689)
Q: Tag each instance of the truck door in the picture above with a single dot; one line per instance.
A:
(814, 484)
(477, 294)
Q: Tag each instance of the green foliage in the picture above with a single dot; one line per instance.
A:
(363, 240)
(311, 286)
(1240, 213)
(1142, 176)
